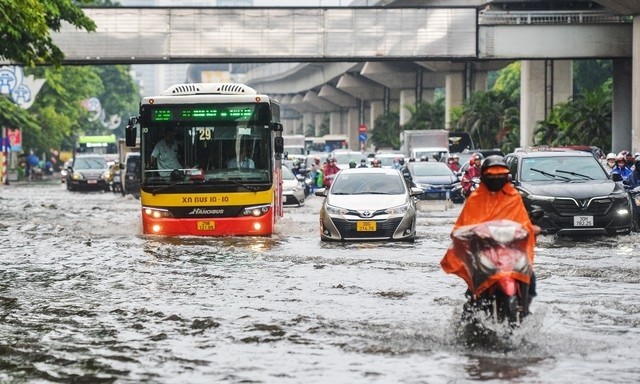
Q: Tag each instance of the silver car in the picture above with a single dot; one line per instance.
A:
(292, 188)
(368, 204)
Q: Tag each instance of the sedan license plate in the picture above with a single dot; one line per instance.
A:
(583, 221)
(206, 225)
(366, 226)
(92, 181)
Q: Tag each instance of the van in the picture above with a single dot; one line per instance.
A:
(131, 178)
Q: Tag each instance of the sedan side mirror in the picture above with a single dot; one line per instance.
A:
(322, 192)
(616, 177)
(415, 191)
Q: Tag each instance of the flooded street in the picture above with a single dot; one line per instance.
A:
(85, 298)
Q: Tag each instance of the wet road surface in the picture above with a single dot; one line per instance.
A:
(85, 298)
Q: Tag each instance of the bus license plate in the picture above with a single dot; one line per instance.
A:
(206, 225)
(583, 221)
(366, 226)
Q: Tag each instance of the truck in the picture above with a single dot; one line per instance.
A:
(420, 144)
(295, 146)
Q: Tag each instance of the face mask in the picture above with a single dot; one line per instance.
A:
(494, 184)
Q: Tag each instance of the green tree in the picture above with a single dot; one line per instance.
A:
(26, 25)
(588, 75)
(483, 116)
(585, 120)
(386, 130)
(425, 115)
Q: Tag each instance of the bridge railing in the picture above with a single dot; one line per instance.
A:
(493, 17)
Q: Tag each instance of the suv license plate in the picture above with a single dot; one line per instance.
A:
(583, 221)
(366, 226)
(206, 225)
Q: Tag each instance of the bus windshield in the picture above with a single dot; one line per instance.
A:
(222, 143)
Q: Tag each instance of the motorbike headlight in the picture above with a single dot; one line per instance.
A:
(397, 210)
(106, 175)
(335, 210)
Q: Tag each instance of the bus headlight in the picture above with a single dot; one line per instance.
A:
(255, 211)
(156, 213)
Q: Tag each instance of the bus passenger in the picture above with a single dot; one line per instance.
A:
(165, 153)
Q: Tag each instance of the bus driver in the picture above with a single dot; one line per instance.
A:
(165, 153)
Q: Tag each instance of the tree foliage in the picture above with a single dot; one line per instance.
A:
(386, 131)
(425, 115)
(26, 25)
(488, 117)
(585, 119)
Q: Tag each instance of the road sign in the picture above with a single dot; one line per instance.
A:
(362, 137)
(362, 128)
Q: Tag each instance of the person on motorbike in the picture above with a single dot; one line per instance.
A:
(363, 163)
(611, 162)
(352, 164)
(330, 168)
(471, 173)
(495, 199)
(454, 163)
(633, 180)
(621, 167)
(376, 163)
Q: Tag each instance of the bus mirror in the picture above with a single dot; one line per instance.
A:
(131, 131)
(278, 144)
(276, 127)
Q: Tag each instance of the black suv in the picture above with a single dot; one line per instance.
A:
(577, 195)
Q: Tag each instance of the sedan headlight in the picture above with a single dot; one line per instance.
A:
(335, 210)
(77, 176)
(397, 210)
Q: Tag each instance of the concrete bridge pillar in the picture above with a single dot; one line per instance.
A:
(376, 109)
(353, 121)
(454, 94)
(621, 132)
(335, 123)
(543, 84)
(635, 107)
(307, 120)
(407, 97)
(318, 119)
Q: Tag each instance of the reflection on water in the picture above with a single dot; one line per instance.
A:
(84, 297)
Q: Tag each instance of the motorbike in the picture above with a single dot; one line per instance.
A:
(634, 193)
(500, 272)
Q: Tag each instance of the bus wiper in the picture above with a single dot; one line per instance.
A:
(248, 187)
(164, 188)
(551, 175)
(575, 174)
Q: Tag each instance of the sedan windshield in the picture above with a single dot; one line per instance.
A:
(366, 183)
(561, 168)
(90, 163)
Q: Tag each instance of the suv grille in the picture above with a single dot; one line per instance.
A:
(592, 207)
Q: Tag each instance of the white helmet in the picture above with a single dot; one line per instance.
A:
(611, 156)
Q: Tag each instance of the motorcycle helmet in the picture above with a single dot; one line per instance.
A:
(611, 156)
(352, 164)
(494, 173)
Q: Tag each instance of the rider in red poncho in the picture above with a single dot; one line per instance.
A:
(495, 199)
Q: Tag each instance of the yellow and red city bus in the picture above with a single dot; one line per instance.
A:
(212, 192)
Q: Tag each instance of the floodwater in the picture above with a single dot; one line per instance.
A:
(85, 298)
